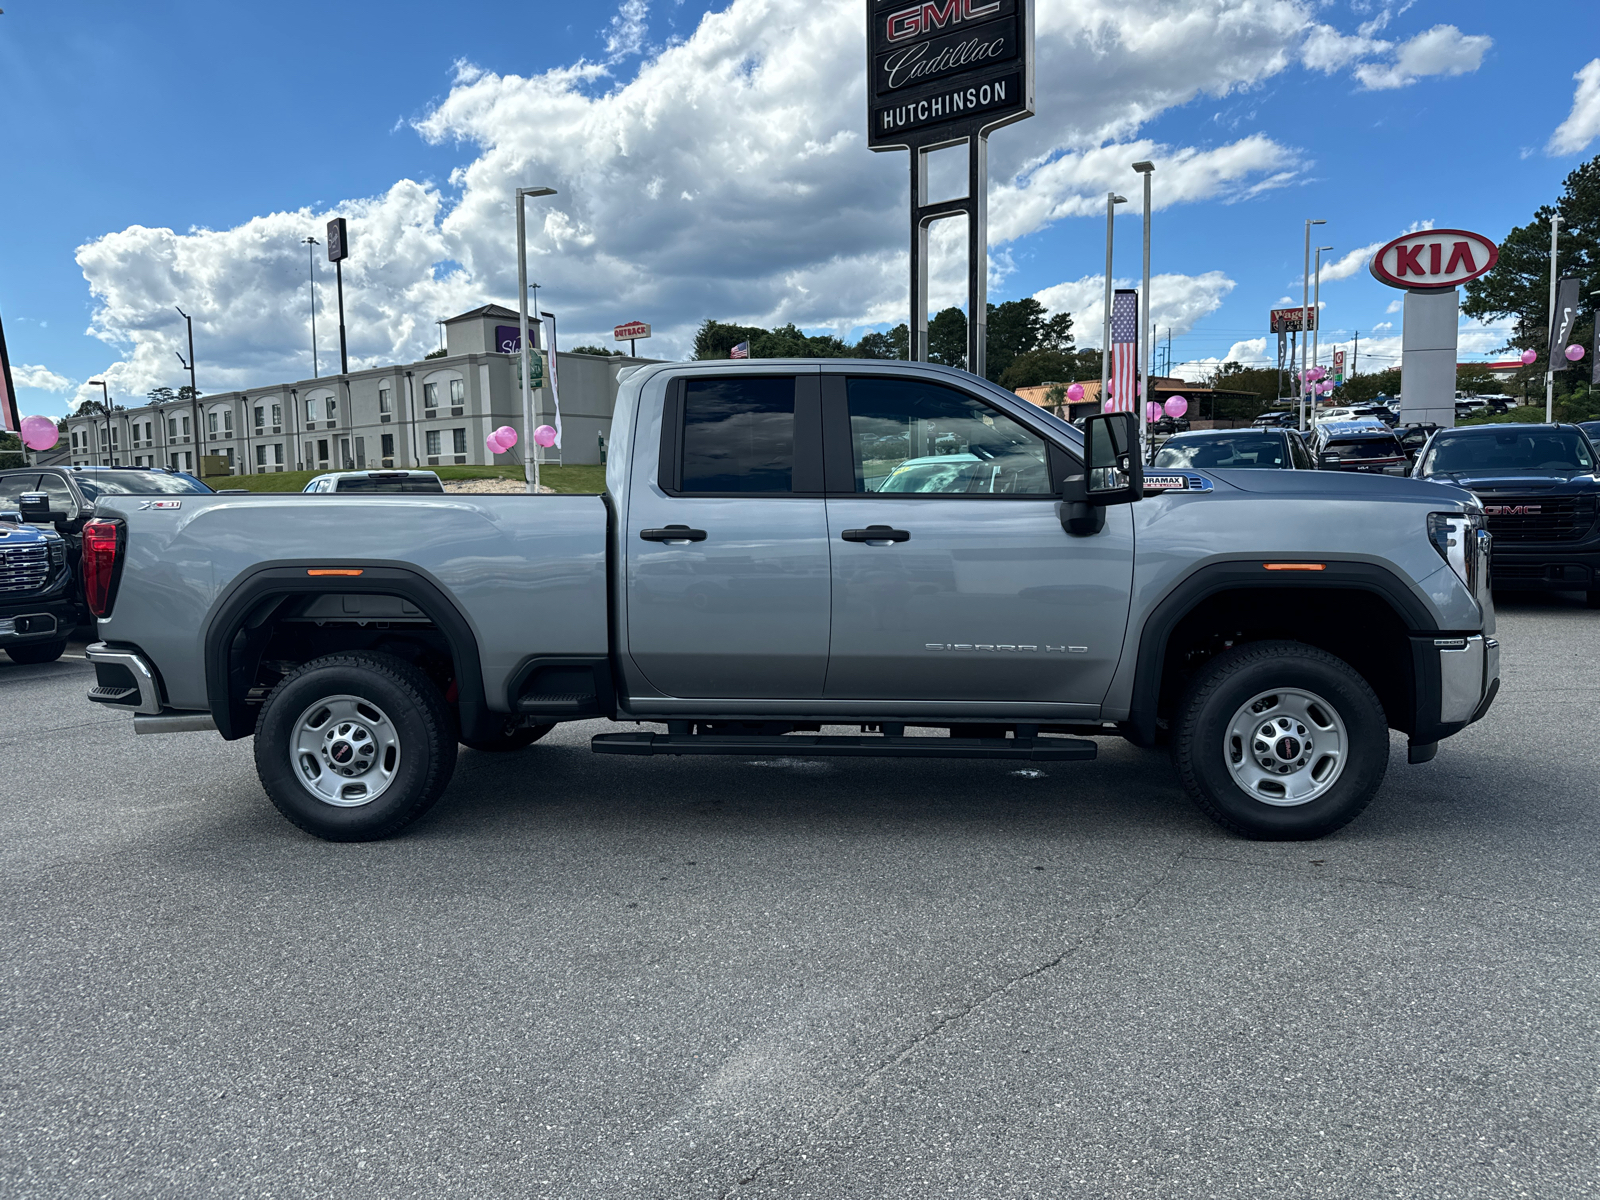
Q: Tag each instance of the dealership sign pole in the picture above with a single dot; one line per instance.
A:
(946, 73)
(1429, 266)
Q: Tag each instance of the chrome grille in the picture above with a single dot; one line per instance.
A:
(24, 568)
(1538, 518)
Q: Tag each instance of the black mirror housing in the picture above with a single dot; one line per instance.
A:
(1113, 471)
(1326, 460)
(35, 509)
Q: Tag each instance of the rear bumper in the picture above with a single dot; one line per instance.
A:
(123, 679)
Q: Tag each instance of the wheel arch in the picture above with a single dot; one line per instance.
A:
(1231, 592)
(252, 605)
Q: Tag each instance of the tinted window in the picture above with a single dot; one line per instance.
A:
(61, 498)
(135, 483)
(1240, 450)
(1365, 448)
(363, 483)
(12, 487)
(1298, 451)
(1509, 450)
(911, 437)
(738, 435)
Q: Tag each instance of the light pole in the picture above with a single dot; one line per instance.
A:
(194, 391)
(1305, 320)
(1549, 375)
(311, 245)
(1146, 169)
(1316, 303)
(1112, 200)
(105, 411)
(530, 462)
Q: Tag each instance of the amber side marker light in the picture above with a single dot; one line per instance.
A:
(334, 571)
(1295, 566)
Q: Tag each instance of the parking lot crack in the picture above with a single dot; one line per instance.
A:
(1010, 983)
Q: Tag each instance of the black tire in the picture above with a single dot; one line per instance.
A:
(1203, 749)
(36, 652)
(1592, 598)
(518, 737)
(415, 722)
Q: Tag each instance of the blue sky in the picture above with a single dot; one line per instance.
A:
(716, 168)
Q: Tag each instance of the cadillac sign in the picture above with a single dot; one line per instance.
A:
(942, 70)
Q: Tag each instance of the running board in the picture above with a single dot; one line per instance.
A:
(1035, 749)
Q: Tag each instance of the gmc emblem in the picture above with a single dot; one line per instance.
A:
(1511, 510)
(918, 19)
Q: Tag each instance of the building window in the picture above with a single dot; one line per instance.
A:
(188, 460)
(115, 439)
(277, 414)
(185, 426)
(361, 452)
(433, 441)
(459, 438)
(211, 422)
(333, 409)
(430, 395)
(261, 415)
(388, 445)
(261, 454)
(311, 408)
(172, 428)
(385, 400)
(227, 421)
(229, 454)
(458, 391)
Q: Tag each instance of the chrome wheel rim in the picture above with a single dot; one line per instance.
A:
(1286, 747)
(345, 751)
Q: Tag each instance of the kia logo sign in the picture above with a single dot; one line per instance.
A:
(1435, 258)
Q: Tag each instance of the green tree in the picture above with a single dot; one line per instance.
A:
(1363, 389)
(715, 339)
(1034, 367)
(188, 393)
(1088, 364)
(439, 353)
(1475, 379)
(1519, 285)
(161, 395)
(884, 345)
(597, 351)
(947, 337)
(1259, 384)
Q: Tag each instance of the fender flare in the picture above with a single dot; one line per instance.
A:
(1215, 578)
(283, 580)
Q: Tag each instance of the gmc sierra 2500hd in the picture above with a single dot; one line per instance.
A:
(747, 578)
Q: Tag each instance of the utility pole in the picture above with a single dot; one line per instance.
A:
(311, 245)
(1355, 350)
(1549, 375)
(1112, 200)
(1305, 320)
(1316, 302)
(194, 391)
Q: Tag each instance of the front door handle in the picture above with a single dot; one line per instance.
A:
(876, 533)
(673, 533)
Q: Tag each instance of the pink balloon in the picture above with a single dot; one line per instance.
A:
(1529, 357)
(544, 436)
(1176, 406)
(1075, 392)
(494, 444)
(1152, 411)
(39, 433)
(1574, 353)
(507, 436)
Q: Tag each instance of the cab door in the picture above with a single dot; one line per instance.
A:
(726, 540)
(953, 579)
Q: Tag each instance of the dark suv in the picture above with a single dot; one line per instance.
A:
(1540, 499)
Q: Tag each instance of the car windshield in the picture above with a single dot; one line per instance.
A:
(1365, 448)
(366, 483)
(1242, 450)
(1508, 450)
(136, 483)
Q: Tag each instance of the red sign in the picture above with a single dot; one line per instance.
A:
(1434, 258)
(633, 329)
(1288, 320)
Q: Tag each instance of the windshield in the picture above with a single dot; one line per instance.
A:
(135, 483)
(1244, 450)
(1509, 451)
(1366, 448)
(366, 483)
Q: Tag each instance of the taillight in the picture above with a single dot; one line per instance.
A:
(102, 542)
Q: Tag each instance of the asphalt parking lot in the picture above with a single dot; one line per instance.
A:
(586, 976)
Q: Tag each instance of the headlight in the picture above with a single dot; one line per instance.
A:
(1463, 542)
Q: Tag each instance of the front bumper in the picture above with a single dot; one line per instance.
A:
(23, 622)
(1457, 678)
(1546, 568)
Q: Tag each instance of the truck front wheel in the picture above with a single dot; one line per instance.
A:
(1280, 741)
(354, 747)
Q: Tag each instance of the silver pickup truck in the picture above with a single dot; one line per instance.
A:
(785, 546)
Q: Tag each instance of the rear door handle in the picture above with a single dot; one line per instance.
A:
(673, 533)
(876, 533)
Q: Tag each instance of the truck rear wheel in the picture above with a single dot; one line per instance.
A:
(354, 747)
(36, 652)
(1280, 741)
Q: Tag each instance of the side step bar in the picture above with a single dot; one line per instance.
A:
(1034, 749)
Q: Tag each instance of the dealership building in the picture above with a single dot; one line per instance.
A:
(436, 412)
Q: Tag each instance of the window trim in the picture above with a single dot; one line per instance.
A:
(839, 459)
(806, 477)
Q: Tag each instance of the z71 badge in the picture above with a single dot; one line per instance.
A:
(1176, 483)
(147, 504)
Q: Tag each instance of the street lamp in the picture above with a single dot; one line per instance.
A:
(1147, 169)
(105, 410)
(1316, 303)
(1112, 200)
(530, 461)
(311, 245)
(1305, 320)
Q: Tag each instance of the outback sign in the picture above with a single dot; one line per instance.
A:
(940, 70)
(1434, 258)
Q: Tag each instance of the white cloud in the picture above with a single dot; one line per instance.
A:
(1327, 50)
(46, 380)
(1395, 305)
(1383, 325)
(1442, 50)
(1177, 302)
(1251, 353)
(1350, 264)
(1582, 125)
(626, 33)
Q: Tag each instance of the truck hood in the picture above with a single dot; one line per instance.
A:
(1519, 483)
(1339, 485)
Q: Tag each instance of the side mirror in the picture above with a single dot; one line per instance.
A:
(1327, 460)
(35, 509)
(1114, 474)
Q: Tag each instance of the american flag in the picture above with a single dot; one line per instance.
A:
(742, 350)
(1124, 395)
